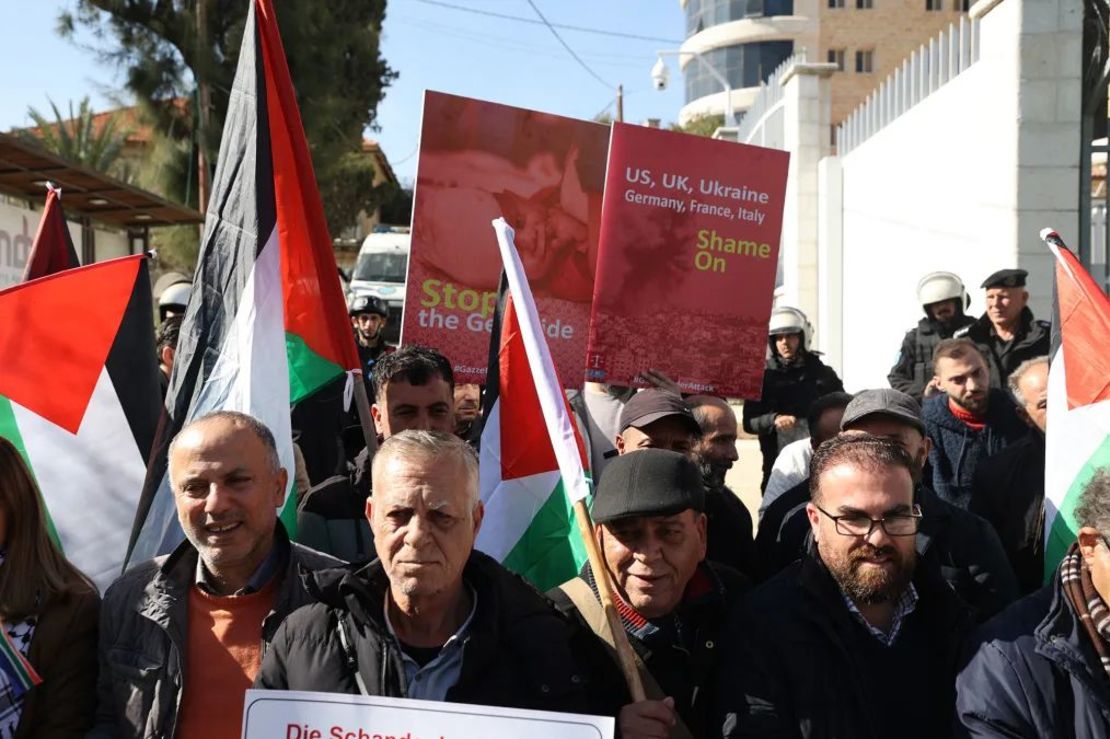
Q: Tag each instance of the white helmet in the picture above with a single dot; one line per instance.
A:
(174, 298)
(937, 286)
(786, 320)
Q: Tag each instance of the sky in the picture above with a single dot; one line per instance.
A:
(430, 45)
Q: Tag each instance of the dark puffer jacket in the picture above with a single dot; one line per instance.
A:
(331, 517)
(914, 368)
(788, 390)
(1033, 673)
(958, 449)
(520, 651)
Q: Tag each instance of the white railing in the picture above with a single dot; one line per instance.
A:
(921, 74)
(767, 100)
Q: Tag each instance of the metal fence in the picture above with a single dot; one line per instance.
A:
(921, 74)
(767, 102)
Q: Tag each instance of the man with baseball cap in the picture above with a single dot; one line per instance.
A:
(656, 419)
(962, 545)
(651, 528)
(1007, 333)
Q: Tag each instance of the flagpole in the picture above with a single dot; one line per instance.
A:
(362, 403)
(625, 654)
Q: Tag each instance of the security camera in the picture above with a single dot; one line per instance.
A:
(659, 74)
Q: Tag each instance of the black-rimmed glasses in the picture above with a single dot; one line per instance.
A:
(857, 524)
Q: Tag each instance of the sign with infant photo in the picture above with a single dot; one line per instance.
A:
(545, 175)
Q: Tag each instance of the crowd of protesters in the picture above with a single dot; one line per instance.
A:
(896, 587)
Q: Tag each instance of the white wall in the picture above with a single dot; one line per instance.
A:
(963, 182)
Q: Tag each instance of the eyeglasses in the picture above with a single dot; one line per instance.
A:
(855, 524)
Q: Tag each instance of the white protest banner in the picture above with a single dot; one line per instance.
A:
(275, 714)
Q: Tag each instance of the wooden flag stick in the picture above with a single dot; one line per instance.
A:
(605, 592)
(362, 403)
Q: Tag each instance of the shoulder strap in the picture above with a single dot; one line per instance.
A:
(583, 598)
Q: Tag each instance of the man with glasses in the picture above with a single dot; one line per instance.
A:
(855, 639)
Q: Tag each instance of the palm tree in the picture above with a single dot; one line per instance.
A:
(79, 139)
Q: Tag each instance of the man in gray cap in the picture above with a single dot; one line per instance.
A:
(962, 545)
(1007, 333)
(651, 528)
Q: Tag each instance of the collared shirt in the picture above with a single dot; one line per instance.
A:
(258, 579)
(433, 680)
(903, 608)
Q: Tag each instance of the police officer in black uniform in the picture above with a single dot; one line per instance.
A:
(943, 298)
(1007, 333)
(369, 317)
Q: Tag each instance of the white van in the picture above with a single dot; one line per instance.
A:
(382, 264)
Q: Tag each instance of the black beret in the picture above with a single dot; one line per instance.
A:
(1006, 278)
(648, 482)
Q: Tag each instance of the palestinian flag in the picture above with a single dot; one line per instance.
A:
(266, 324)
(52, 250)
(531, 475)
(79, 398)
(21, 676)
(1078, 435)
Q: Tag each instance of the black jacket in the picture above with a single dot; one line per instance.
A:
(1008, 491)
(142, 638)
(914, 368)
(1034, 673)
(729, 531)
(331, 517)
(1033, 338)
(957, 449)
(962, 546)
(520, 652)
(800, 666)
(682, 657)
(788, 390)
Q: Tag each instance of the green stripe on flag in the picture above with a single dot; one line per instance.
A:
(9, 429)
(550, 552)
(288, 514)
(308, 371)
(1064, 527)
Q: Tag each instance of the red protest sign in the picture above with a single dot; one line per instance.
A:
(686, 269)
(543, 173)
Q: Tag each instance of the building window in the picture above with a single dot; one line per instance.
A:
(961, 6)
(743, 65)
(703, 14)
(836, 56)
(934, 4)
(863, 4)
(865, 61)
(836, 3)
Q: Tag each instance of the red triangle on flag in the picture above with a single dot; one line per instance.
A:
(55, 335)
(1084, 313)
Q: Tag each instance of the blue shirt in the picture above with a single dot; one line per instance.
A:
(433, 680)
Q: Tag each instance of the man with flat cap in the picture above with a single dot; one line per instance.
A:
(1007, 333)
(651, 528)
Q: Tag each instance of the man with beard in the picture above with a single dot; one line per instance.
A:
(1007, 333)
(1008, 487)
(968, 422)
(730, 523)
(962, 546)
(468, 412)
(369, 316)
(793, 378)
(854, 640)
(943, 298)
(651, 530)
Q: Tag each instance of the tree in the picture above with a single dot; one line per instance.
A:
(701, 125)
(79, 139)
(333, 50)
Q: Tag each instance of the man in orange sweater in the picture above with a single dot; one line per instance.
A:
(182, 636)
